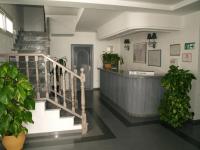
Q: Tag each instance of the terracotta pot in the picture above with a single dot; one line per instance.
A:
(14, 143)
(107, 66)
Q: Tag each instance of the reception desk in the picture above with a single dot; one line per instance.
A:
(137, 95)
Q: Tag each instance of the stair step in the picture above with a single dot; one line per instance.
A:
(39, 50)
(52, 138)
(33, 33)
(44, 51)
(77, 121)
(32, 38)
(48, 120)
(31, 46)
(39, 42)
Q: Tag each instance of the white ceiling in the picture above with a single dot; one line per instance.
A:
(165, 2)
(49, 10)
(91, 19)
(97, 12)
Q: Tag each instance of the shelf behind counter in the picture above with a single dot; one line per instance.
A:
(137, 95)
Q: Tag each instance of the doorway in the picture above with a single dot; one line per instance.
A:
(82, 57)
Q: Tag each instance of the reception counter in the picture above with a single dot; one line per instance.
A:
(137, 95)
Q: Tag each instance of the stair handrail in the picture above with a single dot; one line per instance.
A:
(48, 58)
(74, 74)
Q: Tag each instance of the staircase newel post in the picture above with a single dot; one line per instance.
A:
(84, 118)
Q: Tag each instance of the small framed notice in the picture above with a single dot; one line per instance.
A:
(154, 58)
(187, 57)
(139, 52)
(175, 50)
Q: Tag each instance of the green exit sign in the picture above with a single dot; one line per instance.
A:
(189, 46)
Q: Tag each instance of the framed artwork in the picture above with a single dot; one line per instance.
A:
(154, 58)
(187, 57)
(175, 50)
(139, 52)
(174, 61)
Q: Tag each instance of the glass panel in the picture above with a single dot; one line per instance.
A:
(9, 25)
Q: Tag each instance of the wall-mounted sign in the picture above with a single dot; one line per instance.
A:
(189, 46)
(187, 57)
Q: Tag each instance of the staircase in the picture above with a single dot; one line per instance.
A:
(32, 42)
(59, 106)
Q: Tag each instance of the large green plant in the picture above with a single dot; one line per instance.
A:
(16, 101)
(175, 107)
(110, 58)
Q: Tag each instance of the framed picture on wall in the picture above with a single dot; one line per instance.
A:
(154, 58)
(139, 52)
(187, 57)
(175, 50)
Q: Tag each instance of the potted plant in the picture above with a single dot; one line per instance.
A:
(107, 60)
(16, 101)
(110, 59)
(175, 107)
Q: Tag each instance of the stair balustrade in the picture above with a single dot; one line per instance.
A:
(53, 82)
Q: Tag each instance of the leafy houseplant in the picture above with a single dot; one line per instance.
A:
(175, 107)
(16, 101)
(110, 59)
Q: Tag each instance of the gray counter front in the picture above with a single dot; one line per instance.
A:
(137, 95)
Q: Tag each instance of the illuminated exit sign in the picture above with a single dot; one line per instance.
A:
(189, 46)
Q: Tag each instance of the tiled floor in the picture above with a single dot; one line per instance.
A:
(109, 131)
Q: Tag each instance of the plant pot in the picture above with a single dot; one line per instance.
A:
(14, 143)
(107, 66)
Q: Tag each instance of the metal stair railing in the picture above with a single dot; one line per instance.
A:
(53, 82)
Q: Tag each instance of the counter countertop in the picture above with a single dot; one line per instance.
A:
(126, 74)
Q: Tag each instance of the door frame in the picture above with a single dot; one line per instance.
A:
(91, 57)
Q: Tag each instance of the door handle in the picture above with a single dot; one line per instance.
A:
(89, 68)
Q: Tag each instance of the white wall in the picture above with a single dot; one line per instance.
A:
(62, 24)
(33, 18)
(164, 41)
(134, 21)
(189, 33)
(16, 14)
(61, 46)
